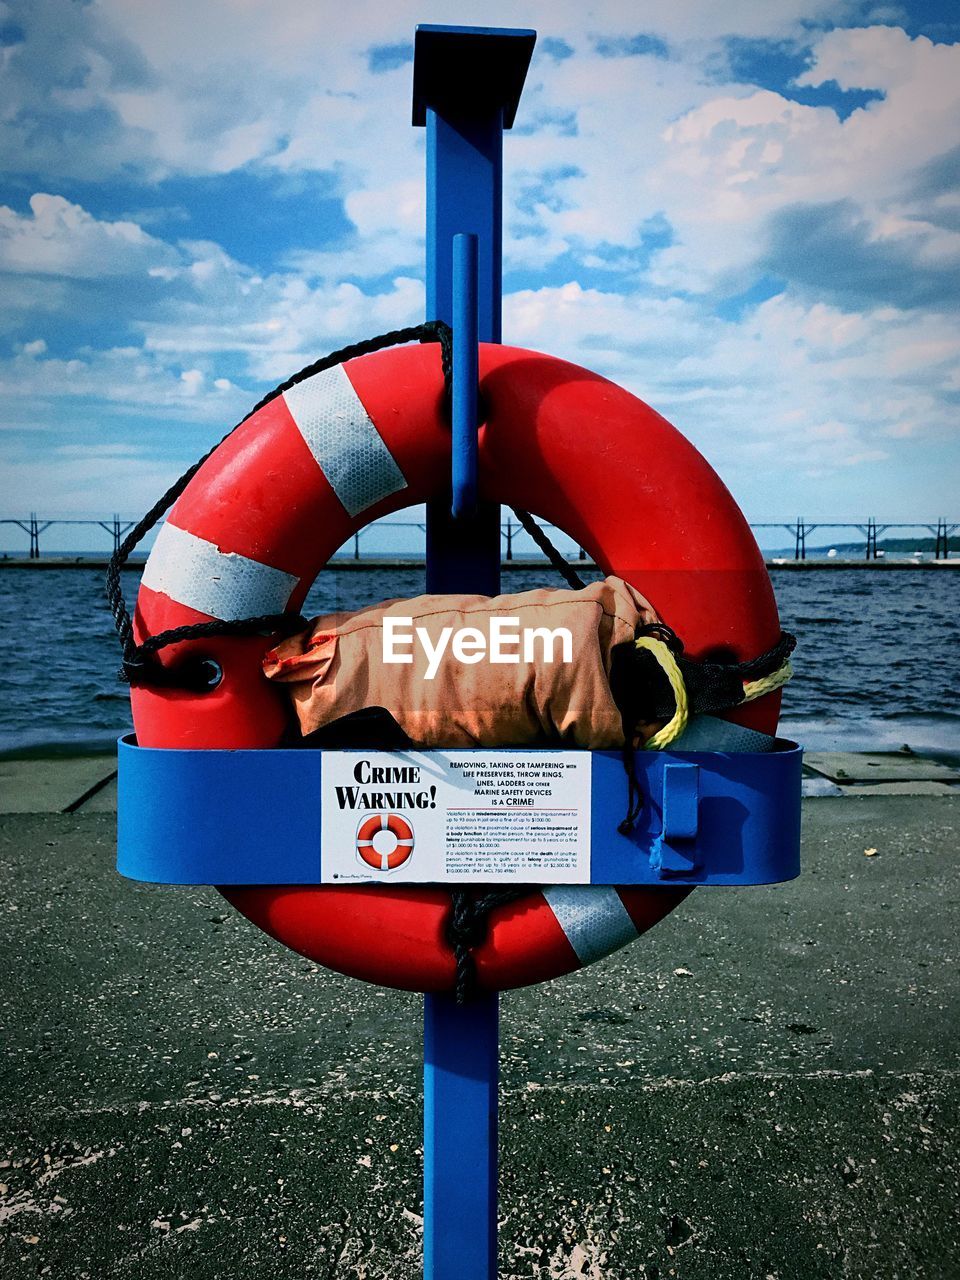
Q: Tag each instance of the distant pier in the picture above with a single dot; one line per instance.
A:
(905, 544)
(370, 564)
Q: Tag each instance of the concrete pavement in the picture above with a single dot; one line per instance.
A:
(765, 1085)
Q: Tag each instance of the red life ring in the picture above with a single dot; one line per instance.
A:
(392, 853)
(297, 479)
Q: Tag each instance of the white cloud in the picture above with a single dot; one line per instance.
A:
(807, 388)
(846, 368)
(201, 302)
(128, 379)
(87, 484)
(204, 88)
(280, 323)
(737, 160)
(62, 239)
(179, 303)
(646, 135)
(877, 57)
(389, 235)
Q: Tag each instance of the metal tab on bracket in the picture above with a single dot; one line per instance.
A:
(675, 850)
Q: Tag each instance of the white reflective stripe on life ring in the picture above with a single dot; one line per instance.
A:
(708, 733)
(594, 919)
(222, 584)
(339, 433)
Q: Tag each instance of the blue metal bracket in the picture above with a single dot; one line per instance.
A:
(467, 83)
(711, 818)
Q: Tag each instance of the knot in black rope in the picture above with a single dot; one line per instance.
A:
(557, 560)
(467, 927)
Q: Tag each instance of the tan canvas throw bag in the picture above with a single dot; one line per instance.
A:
(337, 667)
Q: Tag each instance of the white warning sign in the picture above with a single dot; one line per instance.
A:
(442, 817)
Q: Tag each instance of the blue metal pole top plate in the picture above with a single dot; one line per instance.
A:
(481, 66)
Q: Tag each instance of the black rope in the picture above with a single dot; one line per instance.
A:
(138, 666)
(467, 928)
(767, 663)
(203, 673)
(660, 631)
(635, 797)
(752, 669)
(562, 566)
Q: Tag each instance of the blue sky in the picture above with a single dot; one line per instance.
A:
(747, 213)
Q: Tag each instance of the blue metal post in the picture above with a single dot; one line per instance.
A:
(466, 86)
(460, 1078)
(464, 163)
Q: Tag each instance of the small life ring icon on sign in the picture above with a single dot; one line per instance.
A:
(384, 841)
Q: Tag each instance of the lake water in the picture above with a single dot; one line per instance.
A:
(878, 663)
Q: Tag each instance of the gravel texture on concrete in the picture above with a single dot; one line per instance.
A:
(766, 1085)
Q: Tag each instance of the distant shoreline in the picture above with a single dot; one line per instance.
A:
(507, 566)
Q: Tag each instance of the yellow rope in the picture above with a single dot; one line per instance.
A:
(672, 730)
(754, 689)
